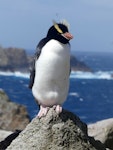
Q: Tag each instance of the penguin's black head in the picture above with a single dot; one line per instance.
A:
(60, 33)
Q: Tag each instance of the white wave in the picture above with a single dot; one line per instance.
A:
(24, 75)
(92, 75)
(78, 75)
(16, 74)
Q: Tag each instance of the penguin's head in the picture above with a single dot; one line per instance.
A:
(59, 32)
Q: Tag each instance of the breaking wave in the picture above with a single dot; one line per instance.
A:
(92, 75)
(16, 74)
(78, 75)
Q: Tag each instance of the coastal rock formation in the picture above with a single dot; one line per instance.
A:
(12, 116)
(102, 131)
(55, 132)
(16, 59)
(77, 65)
(13, 59)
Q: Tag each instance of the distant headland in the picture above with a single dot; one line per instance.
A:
(17, 59)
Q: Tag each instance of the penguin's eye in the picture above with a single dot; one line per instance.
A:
(58, 29)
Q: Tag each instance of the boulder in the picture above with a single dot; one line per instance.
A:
(55, 132)
(12, 116)
(102, 131)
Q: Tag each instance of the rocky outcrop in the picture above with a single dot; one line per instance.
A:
(77, 65)
(16, 59)
(55, 132)
(12, 116)
(102, 131)
(13, 59)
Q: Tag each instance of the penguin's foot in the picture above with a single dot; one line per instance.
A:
(58, 108)
(43, 111)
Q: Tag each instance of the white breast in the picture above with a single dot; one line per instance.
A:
(52, 74)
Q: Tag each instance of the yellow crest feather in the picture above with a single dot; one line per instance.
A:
(57, 27)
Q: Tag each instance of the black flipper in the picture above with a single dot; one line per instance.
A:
(32, 71)
(32, 76)
(36, 56)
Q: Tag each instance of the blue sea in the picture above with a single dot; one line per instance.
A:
(90, 94)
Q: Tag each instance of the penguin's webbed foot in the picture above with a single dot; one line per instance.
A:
(58, 108)
(43, 111)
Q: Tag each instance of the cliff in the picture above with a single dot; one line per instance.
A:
(16, 59)
(56, 132)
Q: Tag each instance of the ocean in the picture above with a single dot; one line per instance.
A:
(90, 94)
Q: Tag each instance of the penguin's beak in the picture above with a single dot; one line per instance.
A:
(67, 35)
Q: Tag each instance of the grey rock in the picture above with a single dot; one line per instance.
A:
(55, 132)
(77, 65)
(102, 131)
(13, 59)
(12, 116)
(16, 59)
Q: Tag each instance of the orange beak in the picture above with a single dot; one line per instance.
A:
(67, 35)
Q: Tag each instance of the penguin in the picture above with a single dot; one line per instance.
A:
(49, 78)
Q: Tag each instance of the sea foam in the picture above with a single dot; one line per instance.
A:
(77, 75)
(92, 75)
(16, 74)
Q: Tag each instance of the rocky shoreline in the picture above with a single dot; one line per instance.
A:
(53, 132)
(56, 132)
(67, 130)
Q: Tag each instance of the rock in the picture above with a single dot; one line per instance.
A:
(77, 65)
(4, 134)
(12, 116)
(16, 59)
(13, 59)
(102, 131)
(55, 132)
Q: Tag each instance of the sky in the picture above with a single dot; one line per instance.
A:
(23, 23)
